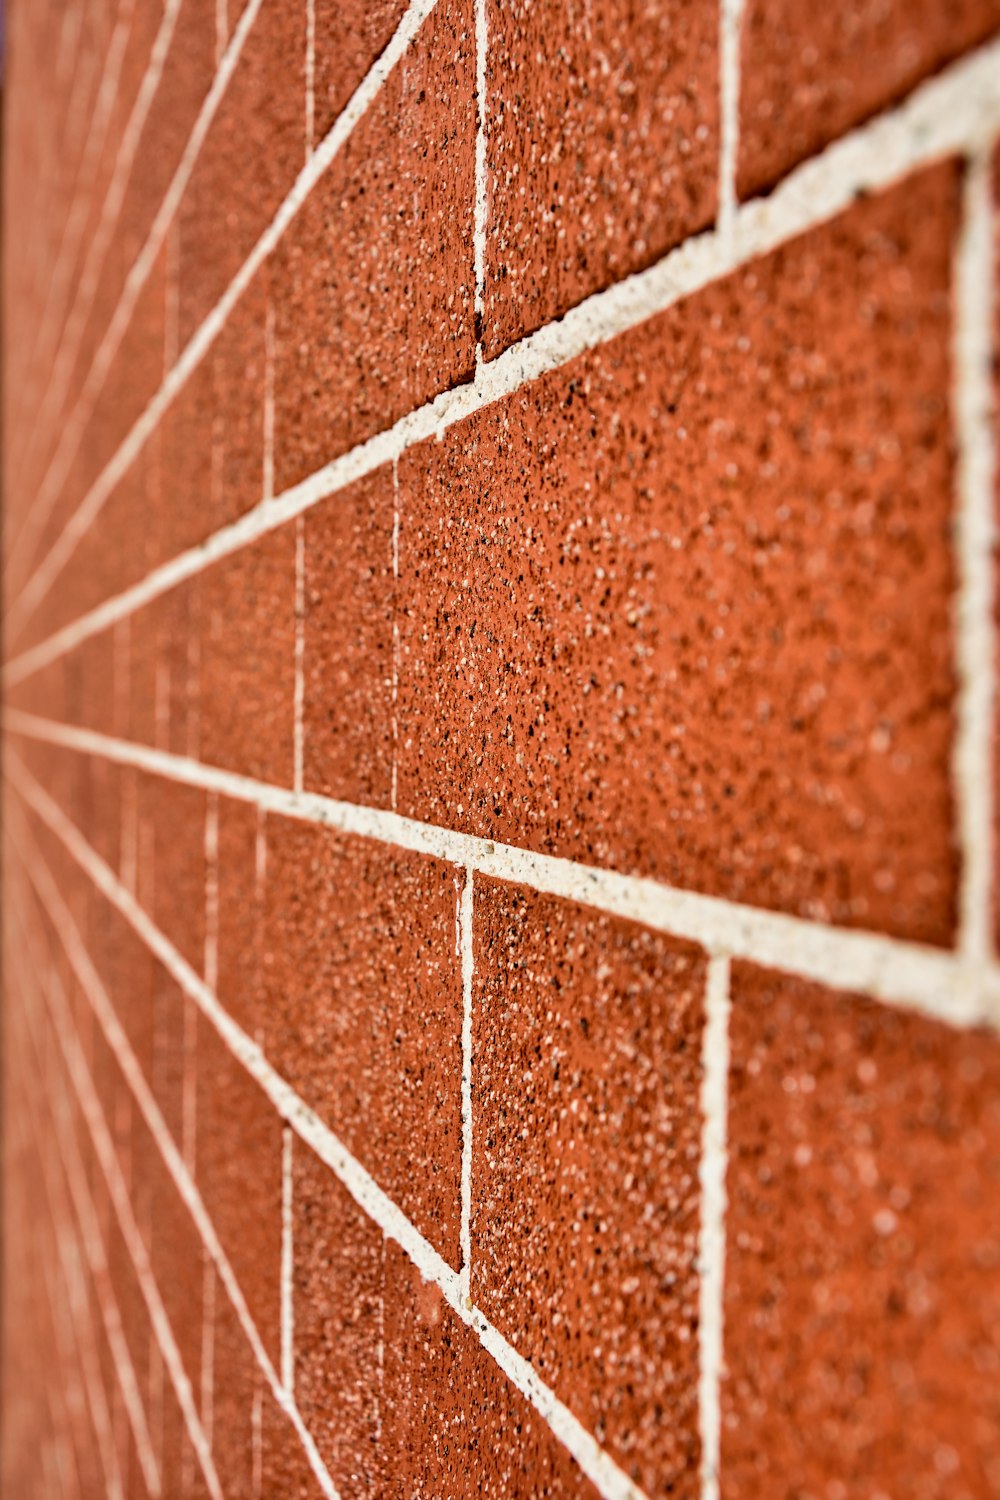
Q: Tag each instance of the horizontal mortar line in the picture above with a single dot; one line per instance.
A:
(117, 1039)
(89, 279)
(83, 1087)
(593, 1460)
(88, 1234)
(958, 111)
(937, 982)
(74, 423)
(199, 343)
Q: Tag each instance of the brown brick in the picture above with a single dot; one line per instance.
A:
(235, 1382)
(350, 35)
(374, 280)
(238, 371)
(862, 1305)
(347, 724)
(285, 1468)
(172, 851)
(586, 1139)
(808, 74)
(454, 1426)
(602, 149)
(644, 625)
(241, 868)
(361, 1008)
(161, 645)
(247, 659)
(338, 1305)
(252, 154)
(430, 1414)
(239, 1175)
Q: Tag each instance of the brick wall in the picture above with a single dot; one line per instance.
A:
(501, 993)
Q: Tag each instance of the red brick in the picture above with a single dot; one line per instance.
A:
(397, 1391)
(285, 1468)
(239, 1176)
(172, 852)
(862, 1305)
(251, 156)
(808, 74)
(350, 35)
(374, 280)
(360, 1008)
(602, 149)
(247, 659)
(645, 626)
(234, 1386)
(89, 677)
(238, 374)
(161, 646)
(240, 874)
(338, 1305)
(347, 722)
(586, 1137)
(188, 480)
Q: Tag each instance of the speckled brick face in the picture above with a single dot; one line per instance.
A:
(862, 1304)
(497, 555)
(347, 643)
(360, 1007)
(809, 73)
(375, 281)
(587, 1064)
(602, 148)
(640, 627)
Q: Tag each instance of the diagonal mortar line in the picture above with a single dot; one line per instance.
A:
(975, 540)
(611, 1482)
(48, 892)
(75, 423)
(83, 1086)
(940, 983)
(957, 111)
(712, 1237)
(203, 337)
(89, 1235)
(89, 279)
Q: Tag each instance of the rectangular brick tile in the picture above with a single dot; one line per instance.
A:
(240, 874)
(374, 279)
(239, 366)
(238, 1137)
(159, 652)
(645, 626)
(235, 1385)
(338, 1307)
(864, 1163)
(602, 149)
(347, 718)
(285, 1467)
(350, 35)
(808, 74)
(173, 873)
(586, 1140)
(247, 659)
(251, 156)
(360, 1008)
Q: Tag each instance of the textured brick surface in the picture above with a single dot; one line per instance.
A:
(477, 643)
(348, 623)
(731, 667)
(602, 149)
(587, 1058)
(864, 1163)
(360, 1008)
(246, 615)
(363, 335)
(808, 75)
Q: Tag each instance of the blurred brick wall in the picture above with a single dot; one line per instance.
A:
(501, 993)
